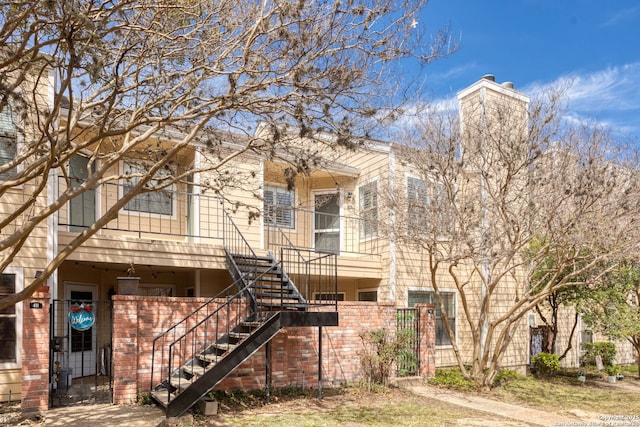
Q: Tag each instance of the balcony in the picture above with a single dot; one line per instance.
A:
(191, 217)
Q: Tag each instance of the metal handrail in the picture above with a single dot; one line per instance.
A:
(307, 262)
(197, 311)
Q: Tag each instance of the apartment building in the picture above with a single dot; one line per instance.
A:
(325, 230)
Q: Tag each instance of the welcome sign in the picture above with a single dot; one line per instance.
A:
(81, 317)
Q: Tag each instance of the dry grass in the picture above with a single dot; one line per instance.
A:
(566, 393)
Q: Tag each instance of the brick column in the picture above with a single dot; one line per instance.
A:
(35, 352)
(427, 340)
(125, 349)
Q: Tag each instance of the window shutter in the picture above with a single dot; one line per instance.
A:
(8, 140)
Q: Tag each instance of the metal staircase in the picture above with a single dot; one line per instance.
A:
(201, 350)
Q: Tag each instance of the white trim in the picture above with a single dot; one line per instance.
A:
(19, 273)
(261, 180)
(496, 87)
(340, 195)
(193, 220)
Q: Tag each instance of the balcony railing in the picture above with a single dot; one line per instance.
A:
(163, 215)
(198, 218)
(321, 232)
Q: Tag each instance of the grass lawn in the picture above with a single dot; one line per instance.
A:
(354, 407)
(350, 407)
(566, 393)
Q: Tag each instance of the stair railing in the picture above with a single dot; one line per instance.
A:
(186, 348)
(316, 273)
(194, 318)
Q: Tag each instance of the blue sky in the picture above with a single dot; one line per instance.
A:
(595, 45)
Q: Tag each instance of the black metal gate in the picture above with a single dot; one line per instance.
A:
(80, 351)
(408, 331)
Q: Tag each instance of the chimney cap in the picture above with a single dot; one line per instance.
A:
(489, 77)
(508, 85)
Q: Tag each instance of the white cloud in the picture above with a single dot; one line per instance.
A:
(621, 15)
(610, 97)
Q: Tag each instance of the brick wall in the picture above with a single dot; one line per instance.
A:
(294, 351)
(35, 354)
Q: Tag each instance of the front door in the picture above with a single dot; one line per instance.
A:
(82, 343)
(326, 222)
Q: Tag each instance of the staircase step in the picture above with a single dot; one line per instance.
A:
(253, 324)
(285, 305)
(259, 257)
(224, 346)
(210, 357)
(180, 383)
(275, 296)
(194, 369)
(162, 396)
(238, 335)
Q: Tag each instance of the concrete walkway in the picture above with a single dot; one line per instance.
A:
(526, 416)
(105, 415)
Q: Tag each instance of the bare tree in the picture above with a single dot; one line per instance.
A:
(151, 80)
(499, 194)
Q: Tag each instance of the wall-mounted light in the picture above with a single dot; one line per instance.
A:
(349, 195)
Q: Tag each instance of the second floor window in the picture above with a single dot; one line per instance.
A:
(368, 197)
(428, 207)
(158, 202)
(278, 206)
(418, 205)
(8, 137)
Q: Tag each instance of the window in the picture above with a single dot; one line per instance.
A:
(368, 296)
(328, 296)
(8, 322)
(8, 137)
(368, 195)
(158, 202)
(278, 206)
(417, 205)
(449, 301)
(586, 337)
(428, 207)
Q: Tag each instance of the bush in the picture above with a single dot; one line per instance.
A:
(381, 350)
(452, 378)
(606, 350)
(507, 375)
(546, 364)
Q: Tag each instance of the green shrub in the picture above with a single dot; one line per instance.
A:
(452, 378)
(507, 375)
(546, 364)
(606, 350)
(612, 370)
